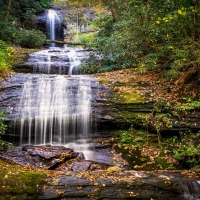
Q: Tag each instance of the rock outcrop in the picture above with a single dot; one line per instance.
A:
(121, 185)
(73, 178)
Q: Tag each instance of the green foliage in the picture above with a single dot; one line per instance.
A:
(187, 106)
(30, 38)
(86, 38)
(3, 128)
(95, 64)
(6, 58)
(185, 149)
(152, 34)
(23, 9)
(21, 14)
(125, 137)
(160, 118)
(91, 65)
(8, 32)
(132, 137)
(25, 38)
(169, 143)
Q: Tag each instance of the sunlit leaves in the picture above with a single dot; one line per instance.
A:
(6, 57)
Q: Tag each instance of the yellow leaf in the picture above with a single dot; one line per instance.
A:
(114, 169)
(179, 12)
(79, 187)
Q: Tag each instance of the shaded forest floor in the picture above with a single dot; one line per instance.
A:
(169, 90)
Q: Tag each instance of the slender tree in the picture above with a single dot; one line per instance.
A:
(8, 9)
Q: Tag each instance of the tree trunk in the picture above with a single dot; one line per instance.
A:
(113, 8)
(8, 9)
(65, 42)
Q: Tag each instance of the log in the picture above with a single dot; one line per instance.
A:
(65, 42)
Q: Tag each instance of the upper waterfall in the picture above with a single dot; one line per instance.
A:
(53, 24)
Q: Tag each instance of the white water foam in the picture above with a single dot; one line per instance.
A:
(55, 60)
(54, 109)
(52, 21)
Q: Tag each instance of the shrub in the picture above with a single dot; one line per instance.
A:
(31, 38)
(153, 34)
(87, 38)
(26, 38)
(8, 32)
(6, 57)
(3, 128)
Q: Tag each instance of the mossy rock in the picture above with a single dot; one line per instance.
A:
(161, 163)
(19, 182)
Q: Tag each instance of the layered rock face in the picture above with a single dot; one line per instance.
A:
(42, 25)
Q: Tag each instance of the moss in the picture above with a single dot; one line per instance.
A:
(133, 156)
(19, 182)
(161, 163)
(129, 97)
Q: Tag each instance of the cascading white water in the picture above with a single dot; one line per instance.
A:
(74, 62)
(54, 109)
(191, 190)
(53, 22)
(55, 60)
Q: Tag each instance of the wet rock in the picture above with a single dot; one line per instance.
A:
(121, 185)
(100, 145)
(42, 21)
(44, 157)
(82, 165)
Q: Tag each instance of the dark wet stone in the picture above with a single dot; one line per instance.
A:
(100, 145)
(41, 24)
(81, 155)
(120, 185)
(87, 165)
(44, 157)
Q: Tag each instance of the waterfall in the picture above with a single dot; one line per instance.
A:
(191, 190)
(55, 61)
(54, 109)
(74, 62)
(53, 23)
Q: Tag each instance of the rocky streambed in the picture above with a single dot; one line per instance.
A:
(70, 176)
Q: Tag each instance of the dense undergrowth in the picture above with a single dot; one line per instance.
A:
(160, 38)
(149, 35)
(6, 57)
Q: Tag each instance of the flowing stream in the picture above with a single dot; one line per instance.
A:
(191, 190)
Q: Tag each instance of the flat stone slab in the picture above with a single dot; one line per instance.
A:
(44, 157)
(120, 184)
(57, 158)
